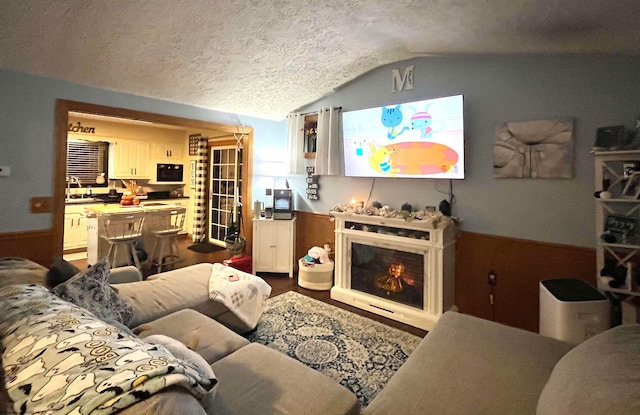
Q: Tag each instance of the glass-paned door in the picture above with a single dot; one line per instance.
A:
(225, 182)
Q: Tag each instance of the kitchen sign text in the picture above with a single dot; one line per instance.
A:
(79, 128)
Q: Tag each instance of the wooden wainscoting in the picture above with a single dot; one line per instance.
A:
(313, 229)
(519, 264)
(34, 245)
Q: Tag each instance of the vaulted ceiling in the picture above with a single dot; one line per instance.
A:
(267, 58)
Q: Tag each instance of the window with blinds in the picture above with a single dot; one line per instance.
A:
(87, 160)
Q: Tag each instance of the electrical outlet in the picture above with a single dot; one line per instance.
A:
(5, 171)
(41, 204)
(493, 278)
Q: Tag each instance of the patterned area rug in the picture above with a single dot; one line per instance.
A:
(359, 353)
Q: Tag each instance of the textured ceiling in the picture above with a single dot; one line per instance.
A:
(267, 58)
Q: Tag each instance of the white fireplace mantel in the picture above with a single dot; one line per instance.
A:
(436, 245)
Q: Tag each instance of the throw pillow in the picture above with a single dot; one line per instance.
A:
(91, 290)
(60, 271)
(599, 376)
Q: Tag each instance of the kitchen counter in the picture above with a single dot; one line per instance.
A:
(106, 201)
(97, 247)
(117, 208)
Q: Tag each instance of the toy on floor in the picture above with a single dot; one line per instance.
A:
(316, 255)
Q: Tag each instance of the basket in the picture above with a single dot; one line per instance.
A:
(319, 277)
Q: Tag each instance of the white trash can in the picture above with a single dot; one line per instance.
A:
(572, 311)
(318, 277)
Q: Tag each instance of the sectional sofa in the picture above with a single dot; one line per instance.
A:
(465, 365)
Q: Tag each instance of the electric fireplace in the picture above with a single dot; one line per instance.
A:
(397, 269)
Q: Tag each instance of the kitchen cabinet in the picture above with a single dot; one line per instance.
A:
(75, 231)
(167, 152)
(274, 245)
(129, 159)
(75, 228)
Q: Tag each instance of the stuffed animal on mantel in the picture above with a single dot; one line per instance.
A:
(316, 255)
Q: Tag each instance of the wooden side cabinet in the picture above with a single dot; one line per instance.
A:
(274, 245)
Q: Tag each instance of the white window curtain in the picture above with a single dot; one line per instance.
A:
(295, 132)
(328, 141)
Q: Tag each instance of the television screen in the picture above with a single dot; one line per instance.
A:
(422, 139)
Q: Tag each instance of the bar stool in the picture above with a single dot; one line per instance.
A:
(167, 223)
(122, 229)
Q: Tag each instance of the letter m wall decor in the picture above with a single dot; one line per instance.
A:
(402, 82)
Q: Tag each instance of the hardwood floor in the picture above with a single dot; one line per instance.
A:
(280, 283)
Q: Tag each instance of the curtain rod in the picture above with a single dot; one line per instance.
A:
(315, 112)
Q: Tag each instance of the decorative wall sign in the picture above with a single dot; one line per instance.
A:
(79, 128)
(312, 184)
(193, 144)
(402, 83)
(621, 225)
(192, 174)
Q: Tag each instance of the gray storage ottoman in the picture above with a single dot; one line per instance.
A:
(215, 341)
(259, 380)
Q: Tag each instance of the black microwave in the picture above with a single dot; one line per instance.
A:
(169, 172)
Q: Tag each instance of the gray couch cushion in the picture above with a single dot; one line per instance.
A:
(599, 376)
(214, 341)
(260, 380)
(467, 365)
(172, 401)
(171, 291)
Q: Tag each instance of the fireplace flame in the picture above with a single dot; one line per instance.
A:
(392, 282)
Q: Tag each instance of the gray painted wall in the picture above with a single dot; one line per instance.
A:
(596, 91)
(27, 108)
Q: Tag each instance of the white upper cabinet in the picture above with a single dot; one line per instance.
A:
(129, 159)
(167, 152)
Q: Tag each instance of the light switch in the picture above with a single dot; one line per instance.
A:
(5, 171)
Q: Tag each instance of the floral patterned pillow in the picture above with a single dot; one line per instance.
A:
(91, 290)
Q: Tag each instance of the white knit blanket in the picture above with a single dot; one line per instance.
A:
(244, 294)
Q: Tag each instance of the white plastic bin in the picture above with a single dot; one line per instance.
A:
(572, 311)
(318, 277)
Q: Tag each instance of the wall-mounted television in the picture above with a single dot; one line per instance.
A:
(421, 139)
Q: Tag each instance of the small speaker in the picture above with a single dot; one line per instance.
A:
(445, 207)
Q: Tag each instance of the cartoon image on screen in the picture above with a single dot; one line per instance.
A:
(423, 139)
